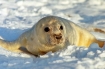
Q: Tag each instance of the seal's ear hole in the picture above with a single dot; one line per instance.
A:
(61, 27)
(46, 29)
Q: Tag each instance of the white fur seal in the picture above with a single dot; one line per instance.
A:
(51, 33)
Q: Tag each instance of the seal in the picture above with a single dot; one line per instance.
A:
(51, 33)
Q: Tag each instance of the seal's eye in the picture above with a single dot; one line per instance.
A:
(61, 27)
(46, 29)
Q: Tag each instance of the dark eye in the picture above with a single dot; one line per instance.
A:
(46, 29)
(61, 27)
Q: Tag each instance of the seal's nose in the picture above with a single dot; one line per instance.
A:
(57, 36)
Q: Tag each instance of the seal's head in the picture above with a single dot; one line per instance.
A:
(50, 31)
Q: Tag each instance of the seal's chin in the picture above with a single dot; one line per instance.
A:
(56, 44)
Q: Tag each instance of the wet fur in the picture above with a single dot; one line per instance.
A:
(38, 42)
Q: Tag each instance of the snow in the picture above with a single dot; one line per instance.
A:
(17, 16)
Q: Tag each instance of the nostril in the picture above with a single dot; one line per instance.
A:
(58, 37)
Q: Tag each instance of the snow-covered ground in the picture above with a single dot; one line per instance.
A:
(16, 16)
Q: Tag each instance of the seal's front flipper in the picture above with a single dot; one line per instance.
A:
(24, 50)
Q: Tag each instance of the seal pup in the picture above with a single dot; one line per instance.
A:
(51, 33)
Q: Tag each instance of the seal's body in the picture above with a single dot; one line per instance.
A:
(51, 33)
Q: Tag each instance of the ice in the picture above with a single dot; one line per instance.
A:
(17, 16)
